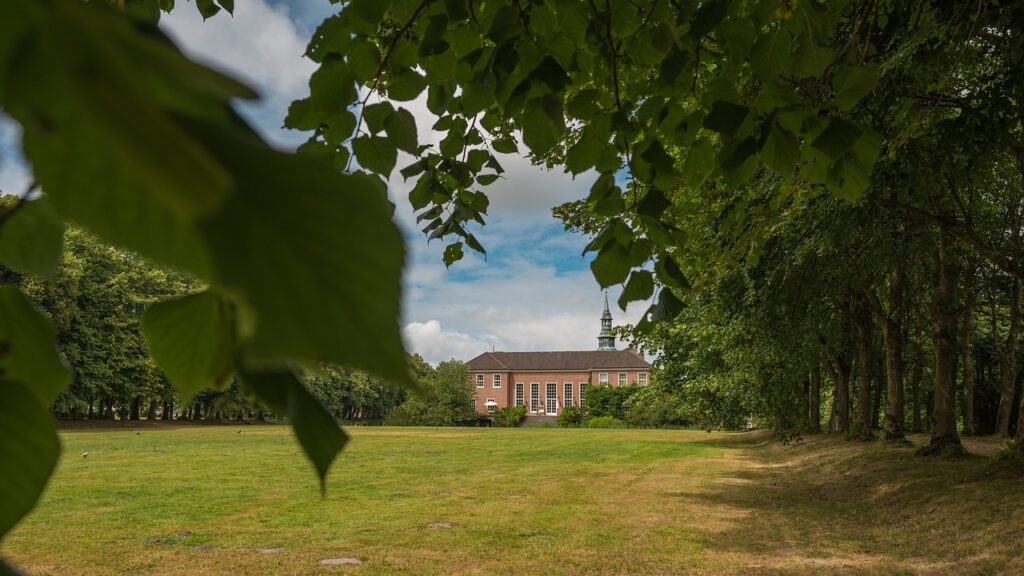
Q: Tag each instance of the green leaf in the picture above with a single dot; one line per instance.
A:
(853, 83)
(31, 239)
(781, 150)
(505, 146)
(653, 204)
(401, 129)
(29, 449)
(228, 5)
(639, 287)
(584, 154)
(726, 117)
(28, 347)
(192, 339)
(543, 124)
(700, 162)
(207, 8)
(375, 115)
(363, 62)
(297, 246)
(452, 253)
(316, 430)
(670, 274)
(375, 153)
(406, 85)
(770, 54)
(119, 141)
(837, 138)
(611, 265)
(668, 307)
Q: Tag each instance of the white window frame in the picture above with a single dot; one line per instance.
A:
(490, 409)
(520, 394)
(567, 394)
(479, 380)
(583, 394)
(623, 378)
(602, 378)
(550, 398)
(534, 396)
(641, 378)
(496, 381)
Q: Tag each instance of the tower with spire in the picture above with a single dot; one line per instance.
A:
(606, 340)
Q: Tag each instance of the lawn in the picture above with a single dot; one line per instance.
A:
(242, 500)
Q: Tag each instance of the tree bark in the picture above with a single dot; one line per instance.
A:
(895, 371)
(814, 400)
(915, 389)
(1008, 365)
(865, 369)
(944, 437)
(970, 374)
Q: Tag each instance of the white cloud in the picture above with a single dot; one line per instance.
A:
(260, 45)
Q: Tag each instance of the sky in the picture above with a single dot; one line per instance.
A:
(533, 291)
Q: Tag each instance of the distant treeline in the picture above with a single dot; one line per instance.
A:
(96, 301)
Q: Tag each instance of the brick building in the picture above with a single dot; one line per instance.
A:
(546, 382)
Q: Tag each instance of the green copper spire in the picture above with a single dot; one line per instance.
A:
(606, 340)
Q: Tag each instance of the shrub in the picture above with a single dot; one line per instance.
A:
(446, 400)
(605, 422)
(605, 400)
(509, 416)
(571, 417)
(651, 407)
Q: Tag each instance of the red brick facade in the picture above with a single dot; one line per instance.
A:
(507, 394)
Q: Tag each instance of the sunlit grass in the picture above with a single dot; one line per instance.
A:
(242, 500)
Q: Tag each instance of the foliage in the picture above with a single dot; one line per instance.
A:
(653, 407)
(605, 422)
(607, 400)
(572, 417)
(445, 397)
(509, 416)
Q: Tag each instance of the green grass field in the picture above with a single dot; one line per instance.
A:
(242, 500)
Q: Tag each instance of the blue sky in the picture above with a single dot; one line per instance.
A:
(534, 291)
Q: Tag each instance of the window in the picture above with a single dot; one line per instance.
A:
(567, 397)
(534, 396)
(490, 405)
(641, 378)
(622, 378)
(602, 378)
(551, 396)
(496, 381)
(479, 380)
(583, 393)
(519, 394)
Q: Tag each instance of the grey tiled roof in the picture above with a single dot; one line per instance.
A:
(540, 361)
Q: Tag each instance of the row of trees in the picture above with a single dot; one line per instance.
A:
(95, 301)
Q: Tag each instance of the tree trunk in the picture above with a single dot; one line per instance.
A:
(1008, 365)
(944, 328)
(814, 400)
(865, 368)
(915, 388)
(970, 374)
(877, 388)
(135, 407)
(841, 397)
(151, 413)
